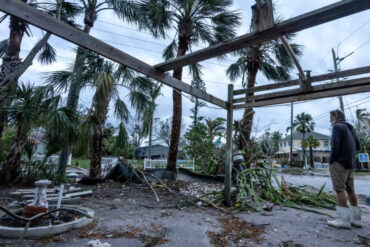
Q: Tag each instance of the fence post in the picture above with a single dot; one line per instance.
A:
(229, 145)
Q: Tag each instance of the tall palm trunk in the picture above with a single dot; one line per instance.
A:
(303, 148)
(100, 116)
(311, 158)
(11, 170)
(11, 59)
(247, 120)
(176, 113)
(97, 148)
(75, 88)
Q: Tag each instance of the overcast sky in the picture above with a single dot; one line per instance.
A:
(345, 35)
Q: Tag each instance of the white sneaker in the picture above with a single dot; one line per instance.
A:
(356, 216)
(344, 220)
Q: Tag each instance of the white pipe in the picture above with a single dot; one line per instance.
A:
(59, 199)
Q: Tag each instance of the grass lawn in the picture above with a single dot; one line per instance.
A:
(83, 163)
(362, 173)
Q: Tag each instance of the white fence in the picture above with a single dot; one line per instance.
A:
(323, 166)
(148, 163)
(53, 159)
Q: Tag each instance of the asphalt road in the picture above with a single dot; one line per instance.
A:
(362, 184)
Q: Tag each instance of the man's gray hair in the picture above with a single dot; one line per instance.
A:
(339, 115)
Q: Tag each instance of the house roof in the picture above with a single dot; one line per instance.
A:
(157, 150)
(298, 135)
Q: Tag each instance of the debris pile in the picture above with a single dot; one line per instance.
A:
(70, 196)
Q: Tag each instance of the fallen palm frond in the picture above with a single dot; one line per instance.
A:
(258, 185)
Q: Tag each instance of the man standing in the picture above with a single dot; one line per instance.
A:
(344, 145)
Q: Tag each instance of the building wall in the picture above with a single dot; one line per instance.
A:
(284, 146)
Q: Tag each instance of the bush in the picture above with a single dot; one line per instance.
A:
(32, 171)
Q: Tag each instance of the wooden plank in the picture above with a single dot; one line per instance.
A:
(281, 94)
(318, 88)
(308, 96)
(310, 19)
(38, 18)
(83, 193)
(318, 78)
(229, 146)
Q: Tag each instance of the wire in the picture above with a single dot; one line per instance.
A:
(362, 45)
(130, 37)
(364, 24)
(340, 42)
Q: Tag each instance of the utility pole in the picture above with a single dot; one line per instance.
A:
(291, 135)
(336, 61)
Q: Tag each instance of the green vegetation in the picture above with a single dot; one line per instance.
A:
(83, 163)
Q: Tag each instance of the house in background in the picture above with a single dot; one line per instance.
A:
(321, 153)
(158, 152)
(37, 138)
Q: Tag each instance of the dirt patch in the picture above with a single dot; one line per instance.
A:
(151, 236)
(235, 232)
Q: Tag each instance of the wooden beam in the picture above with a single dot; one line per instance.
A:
(308, 20)
(292, 55)
(318, 78)
(46, 22)
(320, 91)
(327, 86)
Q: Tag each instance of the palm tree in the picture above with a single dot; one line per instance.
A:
(274, 62)
(194, 21)
(215, 127)
(148, 115)
(311, 142)
(126, 10)
(363, 128)
(106, 77)
(31, 107)
(303, 123)
(12, 66)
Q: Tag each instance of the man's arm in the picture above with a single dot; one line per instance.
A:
(335, 142)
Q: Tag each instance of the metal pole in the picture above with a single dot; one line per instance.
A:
(337, 80)
(229, 146)
(291, 135)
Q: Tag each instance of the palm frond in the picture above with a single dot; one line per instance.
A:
(122, 137)
(3, 46)
(59, 79)
(121, 111)
(236, 70)
(195, 70)
(47, 54)
(140, 102)
(156, 16)
(141, 84)
(170, 51)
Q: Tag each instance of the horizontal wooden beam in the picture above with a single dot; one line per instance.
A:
(321, 91)
(317, 88)
(318, 78)
(308, 20)
(46, 22)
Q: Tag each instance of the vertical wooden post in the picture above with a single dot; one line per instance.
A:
(229, 145)
(291, 135)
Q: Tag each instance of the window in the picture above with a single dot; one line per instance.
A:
(326, 143)
(284, 144)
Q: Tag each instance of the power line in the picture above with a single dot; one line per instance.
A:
(130, 37)
(340, 42)
(355, 31)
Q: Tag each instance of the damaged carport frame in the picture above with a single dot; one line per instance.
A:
(158, 72)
